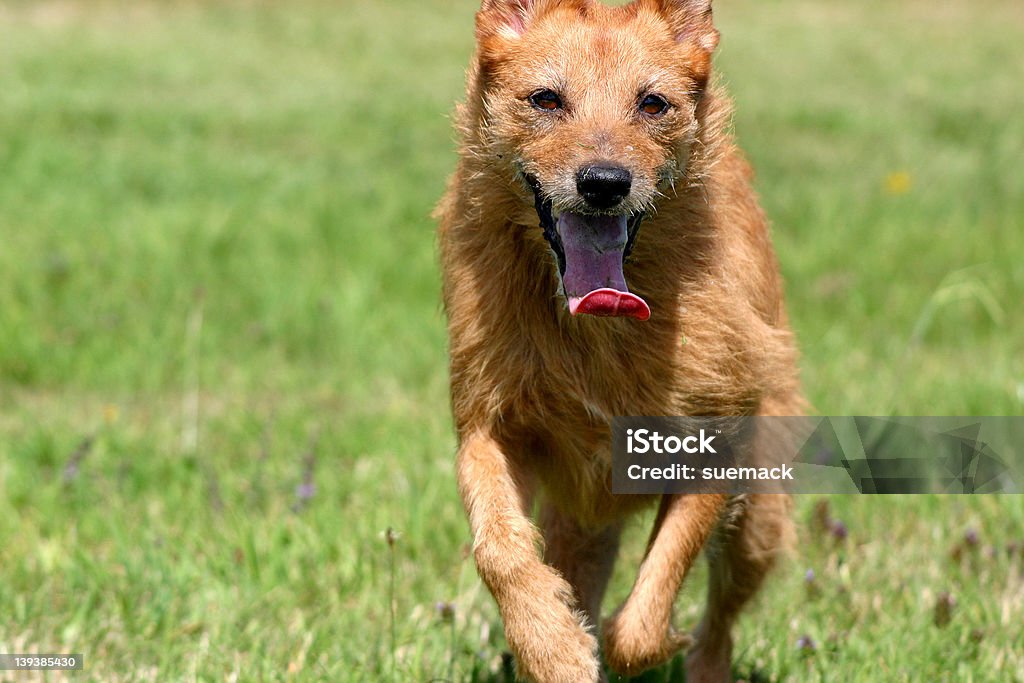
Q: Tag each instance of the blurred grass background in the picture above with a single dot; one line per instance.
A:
(222, 364)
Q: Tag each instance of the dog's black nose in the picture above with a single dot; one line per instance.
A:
(603, 186)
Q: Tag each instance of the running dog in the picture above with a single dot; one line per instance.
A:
(604, 254)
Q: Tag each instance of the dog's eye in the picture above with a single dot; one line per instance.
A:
(548, 100)
(654, 105)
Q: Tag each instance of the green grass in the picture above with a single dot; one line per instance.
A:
(217, 261)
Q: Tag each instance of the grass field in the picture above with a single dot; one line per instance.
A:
(222, 362)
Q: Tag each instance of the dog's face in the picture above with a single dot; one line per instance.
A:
(594, 108)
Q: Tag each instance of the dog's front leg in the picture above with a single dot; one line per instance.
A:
(640, 634)
(545, 633)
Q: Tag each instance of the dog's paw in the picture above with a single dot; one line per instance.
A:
(550, 641)
(633, 644)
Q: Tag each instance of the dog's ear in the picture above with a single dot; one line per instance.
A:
(510, 18)
(690, 20)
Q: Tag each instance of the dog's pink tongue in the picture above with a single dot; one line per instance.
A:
(593, 278)
(610, 302)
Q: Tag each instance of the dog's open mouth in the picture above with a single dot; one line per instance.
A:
(591, 249)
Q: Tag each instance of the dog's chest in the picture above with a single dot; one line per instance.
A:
(566, 404)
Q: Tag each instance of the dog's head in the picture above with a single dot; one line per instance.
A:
(594, 109)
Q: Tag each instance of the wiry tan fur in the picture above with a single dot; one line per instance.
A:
(533, 388)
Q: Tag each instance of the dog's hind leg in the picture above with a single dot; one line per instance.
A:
(640, 634)
(546, 635)
(585, 557)
(753, 533)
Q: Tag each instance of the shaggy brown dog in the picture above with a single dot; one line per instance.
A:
(588, 120)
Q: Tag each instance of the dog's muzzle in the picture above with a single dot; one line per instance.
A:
(590, 250)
